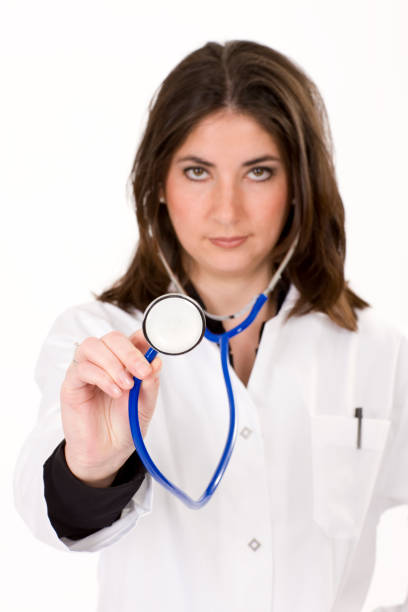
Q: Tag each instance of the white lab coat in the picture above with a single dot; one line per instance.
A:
(292, 525)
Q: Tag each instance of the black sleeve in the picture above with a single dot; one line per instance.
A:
(75, 509)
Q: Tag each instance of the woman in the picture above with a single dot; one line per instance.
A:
(235, 162)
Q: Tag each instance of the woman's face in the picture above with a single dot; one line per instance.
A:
(226, 192)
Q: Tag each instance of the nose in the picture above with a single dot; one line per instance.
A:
(226, 203)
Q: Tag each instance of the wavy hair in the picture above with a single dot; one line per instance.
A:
(256, 80)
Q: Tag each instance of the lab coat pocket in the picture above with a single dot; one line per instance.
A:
(344, 475)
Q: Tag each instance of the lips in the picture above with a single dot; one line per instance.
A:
(228, 243)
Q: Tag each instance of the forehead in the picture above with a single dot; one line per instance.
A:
(227, 129)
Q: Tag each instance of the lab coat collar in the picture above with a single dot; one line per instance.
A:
(291, 298)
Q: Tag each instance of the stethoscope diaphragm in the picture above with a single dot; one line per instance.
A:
(173, 324)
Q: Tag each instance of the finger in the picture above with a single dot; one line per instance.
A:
(89, 373)
(139, 340)
(156, 366)
(97, 352)
(131, 357)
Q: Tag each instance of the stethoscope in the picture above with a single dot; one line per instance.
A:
(174, 324)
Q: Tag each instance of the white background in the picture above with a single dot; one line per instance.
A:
(76, 78)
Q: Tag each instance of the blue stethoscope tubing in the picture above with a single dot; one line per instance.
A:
(222, 340)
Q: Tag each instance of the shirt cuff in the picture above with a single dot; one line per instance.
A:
(76, 509)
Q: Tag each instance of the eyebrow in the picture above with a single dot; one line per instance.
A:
(250, 162)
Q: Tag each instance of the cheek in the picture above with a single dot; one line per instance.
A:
(184, 217)
(186, 222)
(185, 211)
(270, 224)
(271, 201)
(178, 202)
(272, 216)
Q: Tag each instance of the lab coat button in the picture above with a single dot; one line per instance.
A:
(254, 544)
(246, 432)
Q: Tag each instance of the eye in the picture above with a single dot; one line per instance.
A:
(196, 174)
(260, 172)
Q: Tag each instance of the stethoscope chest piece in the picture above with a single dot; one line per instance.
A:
(173, 324)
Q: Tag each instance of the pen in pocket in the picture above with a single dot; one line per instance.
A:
(359, 415)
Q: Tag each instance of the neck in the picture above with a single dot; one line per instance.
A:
(228, 295)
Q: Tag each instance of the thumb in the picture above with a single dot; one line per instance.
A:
(139, 341)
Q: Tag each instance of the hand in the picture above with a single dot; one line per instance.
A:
(94, 404)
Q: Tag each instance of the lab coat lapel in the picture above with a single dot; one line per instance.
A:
(246, 402)
(266, 348)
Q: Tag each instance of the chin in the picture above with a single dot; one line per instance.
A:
(232, 268)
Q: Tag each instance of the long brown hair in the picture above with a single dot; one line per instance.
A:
(254, 79)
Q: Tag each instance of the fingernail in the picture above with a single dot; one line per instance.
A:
(126, 380)
(144, 369)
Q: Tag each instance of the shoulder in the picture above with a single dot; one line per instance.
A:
(94, 318)
(378, 344)
(377, 328)
(74, 324)
(377, 340)
(372, 326)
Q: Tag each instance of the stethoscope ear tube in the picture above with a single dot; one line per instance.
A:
(222, 340)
